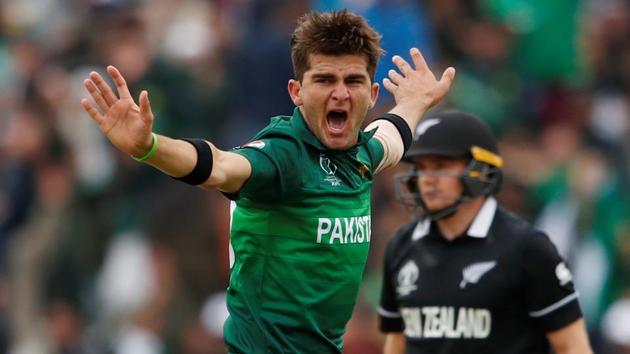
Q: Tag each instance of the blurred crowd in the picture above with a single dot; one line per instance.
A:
(100, 254)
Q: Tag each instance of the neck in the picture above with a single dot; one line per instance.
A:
(454, 226)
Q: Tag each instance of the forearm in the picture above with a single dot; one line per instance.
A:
(174, 157)
(178, 158)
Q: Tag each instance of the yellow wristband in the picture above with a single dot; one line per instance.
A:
(152, 150)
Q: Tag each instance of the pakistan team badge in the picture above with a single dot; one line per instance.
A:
(329, 169)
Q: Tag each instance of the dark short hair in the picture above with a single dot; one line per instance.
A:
(334, 33)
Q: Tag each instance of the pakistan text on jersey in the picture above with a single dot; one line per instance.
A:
(440, 322)
(355, 229)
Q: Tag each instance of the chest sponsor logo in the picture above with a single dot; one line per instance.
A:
(474, 272)
(446, 322)
(407, 279)
(329, 169)
(355, 229)
(563, 274)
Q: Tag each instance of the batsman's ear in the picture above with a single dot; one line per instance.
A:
(295, 89)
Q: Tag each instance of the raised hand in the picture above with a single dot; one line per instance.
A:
(416, 88)
(127, 125)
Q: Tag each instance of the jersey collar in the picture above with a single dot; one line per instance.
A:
(478, 229)
(480, 226)
(305, 134)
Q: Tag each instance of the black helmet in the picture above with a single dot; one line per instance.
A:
(452, 134)
(459, 135)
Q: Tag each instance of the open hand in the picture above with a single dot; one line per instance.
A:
(127, 125)
(416, 88)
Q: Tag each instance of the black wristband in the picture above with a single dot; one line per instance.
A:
(203, 168)
(402, 126)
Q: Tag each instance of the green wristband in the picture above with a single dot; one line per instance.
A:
(152, 150)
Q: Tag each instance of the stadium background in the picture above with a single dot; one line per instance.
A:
(99, 254)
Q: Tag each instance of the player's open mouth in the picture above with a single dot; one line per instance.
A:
(336, 121)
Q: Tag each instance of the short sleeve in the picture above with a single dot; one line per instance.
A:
(376, 152)
(551, 297)
(275, 169)
(390, 319)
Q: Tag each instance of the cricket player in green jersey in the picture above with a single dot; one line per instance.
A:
(301, 222)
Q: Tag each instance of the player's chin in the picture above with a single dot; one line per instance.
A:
(434, 205)
(338, 142)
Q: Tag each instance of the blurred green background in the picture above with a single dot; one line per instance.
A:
(100, 254)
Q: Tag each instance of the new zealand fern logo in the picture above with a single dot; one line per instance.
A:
(474, 272)
(425, 125)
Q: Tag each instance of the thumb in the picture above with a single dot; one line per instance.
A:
(145, 107)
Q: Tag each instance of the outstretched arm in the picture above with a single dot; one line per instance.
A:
(129, 127)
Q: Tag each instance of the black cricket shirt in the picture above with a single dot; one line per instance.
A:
(497, 289)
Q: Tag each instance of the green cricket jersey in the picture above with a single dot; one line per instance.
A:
(300, 234)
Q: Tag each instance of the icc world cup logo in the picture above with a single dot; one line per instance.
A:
(326, 165)
(330, 169)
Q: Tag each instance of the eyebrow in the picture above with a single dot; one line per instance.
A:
(323, 76)
(355, 77)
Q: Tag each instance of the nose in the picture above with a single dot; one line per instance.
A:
(341, 92)
(427, 179)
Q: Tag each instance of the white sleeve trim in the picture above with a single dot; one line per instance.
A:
(381, 311)
(554, 306)
(389, 136)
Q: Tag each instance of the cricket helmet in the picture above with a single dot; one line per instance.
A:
(453, 134)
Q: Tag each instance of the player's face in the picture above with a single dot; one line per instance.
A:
(438, 180)
(334, 97)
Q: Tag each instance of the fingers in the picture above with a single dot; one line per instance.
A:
(390, 86)
(448, 75)
(402, 65)
(96, 95)
(119, 81)
(395, 77)
(98, 118)
(447, 78)
(145, 107)
(103, 88)
(418, 59)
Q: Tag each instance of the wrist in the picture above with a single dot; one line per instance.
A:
(409, 113)
(148, 153)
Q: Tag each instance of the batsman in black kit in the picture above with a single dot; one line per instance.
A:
(469, 276)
